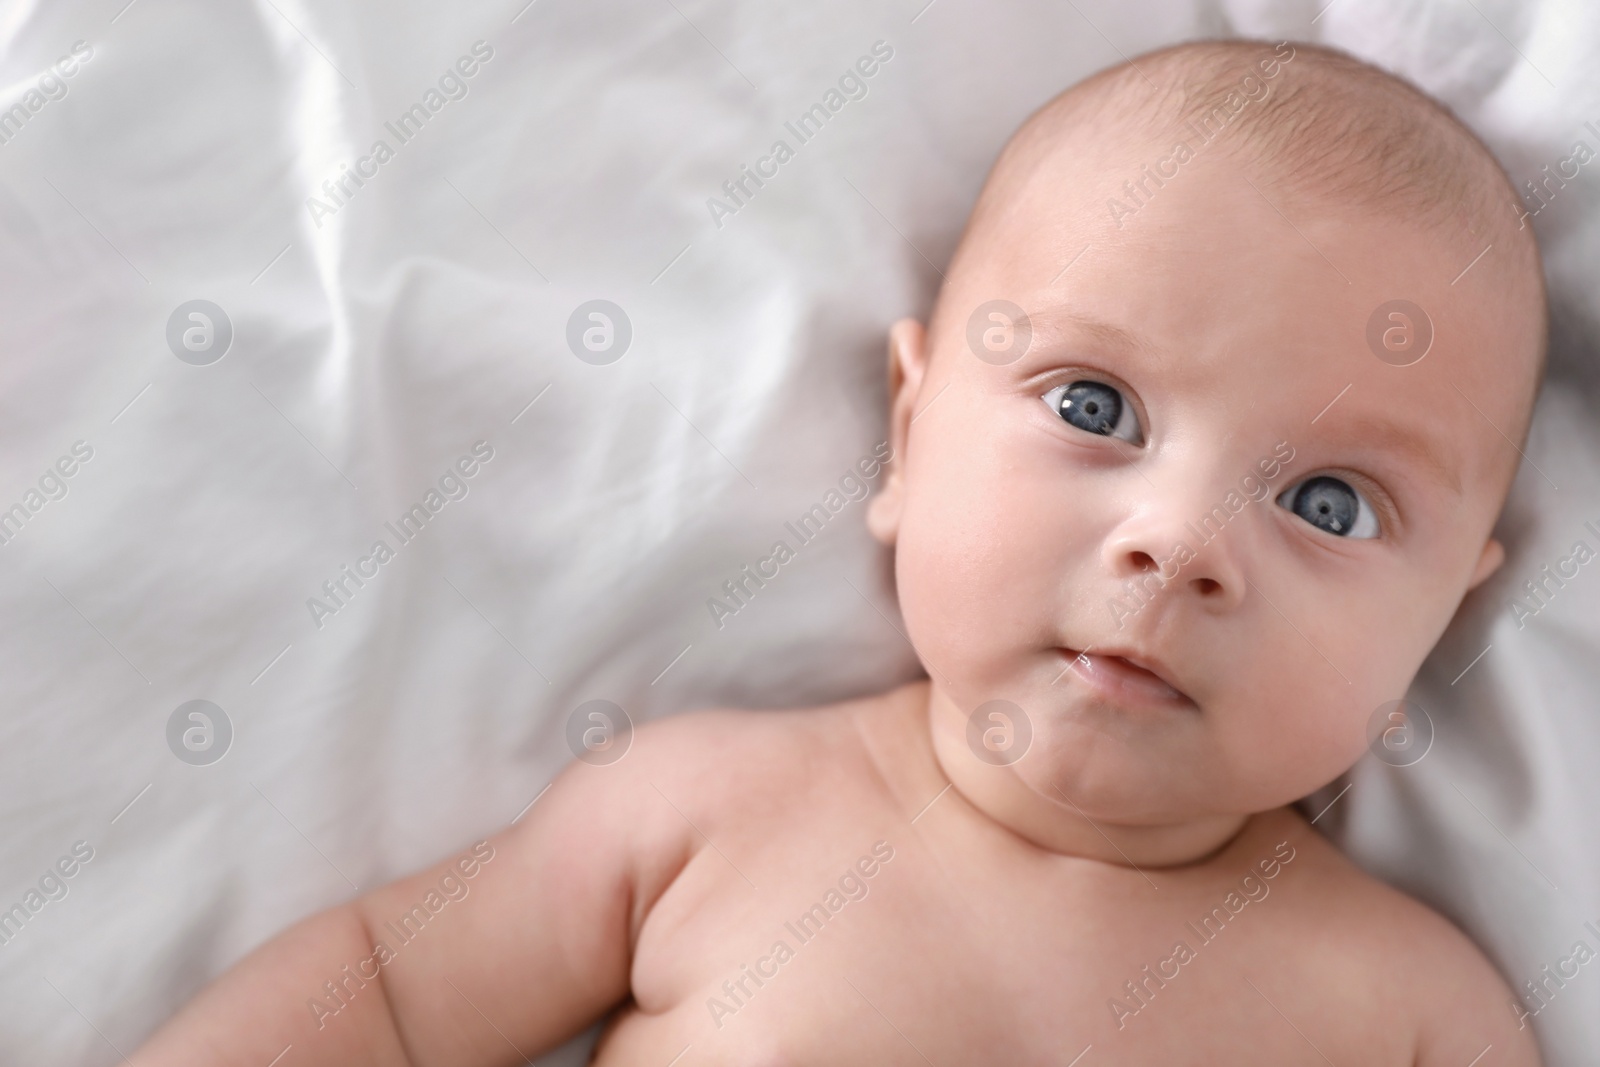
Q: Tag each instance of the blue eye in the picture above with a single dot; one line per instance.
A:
(1096, 408)
(1332, 506)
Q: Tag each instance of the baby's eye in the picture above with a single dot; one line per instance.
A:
(1095, 407)
(1332, 506)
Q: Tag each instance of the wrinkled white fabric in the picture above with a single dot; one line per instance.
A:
(378, 336)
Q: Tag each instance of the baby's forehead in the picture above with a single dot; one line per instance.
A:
(1108, 168)
(1317, 124)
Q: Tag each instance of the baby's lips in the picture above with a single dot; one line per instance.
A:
(1127, 675)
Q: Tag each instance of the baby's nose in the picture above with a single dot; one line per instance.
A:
(1165, 555)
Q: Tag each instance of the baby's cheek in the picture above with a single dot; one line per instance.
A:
(1270, 760)
(949, 581)
(1376, 639)
(981, 577)
(1292, 723)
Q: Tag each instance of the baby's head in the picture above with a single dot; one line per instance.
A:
(1216, 444)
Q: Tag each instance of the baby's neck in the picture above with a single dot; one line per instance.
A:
(1053, 820)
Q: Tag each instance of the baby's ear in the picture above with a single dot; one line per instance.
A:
(1494, 554)
(908, 361)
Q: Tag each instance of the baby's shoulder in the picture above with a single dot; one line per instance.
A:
(719, 754)
(638, 803)
(735, 740)
(1366, 920)
(1400, 958)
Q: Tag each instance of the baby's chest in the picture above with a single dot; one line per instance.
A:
(909, 956)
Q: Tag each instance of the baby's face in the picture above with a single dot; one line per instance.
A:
(1202, 372)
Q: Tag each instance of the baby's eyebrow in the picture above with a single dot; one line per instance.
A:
(1418, 446)
(1052, 325)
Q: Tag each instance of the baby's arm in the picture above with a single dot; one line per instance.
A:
(538, 949)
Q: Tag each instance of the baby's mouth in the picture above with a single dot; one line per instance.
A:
(1124, 680)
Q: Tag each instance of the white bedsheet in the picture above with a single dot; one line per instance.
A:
(378, 337)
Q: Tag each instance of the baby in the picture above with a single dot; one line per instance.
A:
(1198, 454)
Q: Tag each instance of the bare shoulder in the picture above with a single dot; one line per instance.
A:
(715, 755)
(720, 766)
(646, 805)
(1418, 968)
(653, 784)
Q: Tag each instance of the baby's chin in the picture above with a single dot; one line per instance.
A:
(1144, 769)
(1120, 771)
(1134, 757)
